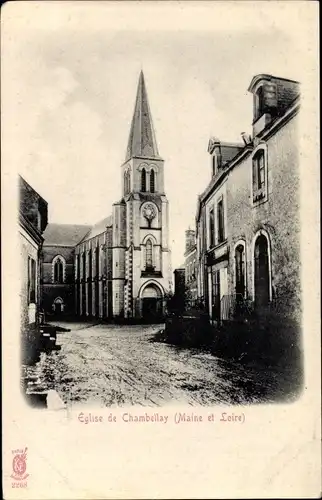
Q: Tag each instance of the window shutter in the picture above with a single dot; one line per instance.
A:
(255, 178)
(270, 95)
(261, 171)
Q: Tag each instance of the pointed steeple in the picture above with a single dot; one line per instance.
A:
(142, 140)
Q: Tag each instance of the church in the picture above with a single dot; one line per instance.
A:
(121, 266)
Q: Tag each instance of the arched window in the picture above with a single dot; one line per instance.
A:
(58, 271)
(148, 255)
(152, 181)
(261, 271)
(97, 262)
(102, 261)
(90, 264)
(125, 183)
(259, 175)
(240, 272)
(83, 261)
(143, 180)
(77, 267)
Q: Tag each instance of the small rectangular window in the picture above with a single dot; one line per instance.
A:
(31, 280)
(220, 221)
(211, 228)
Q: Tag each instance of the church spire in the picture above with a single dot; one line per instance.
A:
(142, 140)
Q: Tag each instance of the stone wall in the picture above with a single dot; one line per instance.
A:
(278, 216)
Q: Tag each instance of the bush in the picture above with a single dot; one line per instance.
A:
(270, 339)
(188, 331)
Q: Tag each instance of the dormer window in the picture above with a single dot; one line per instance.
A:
(259, 106)
(216, 162)
(266, 102)
(214, 165)
(265, 98)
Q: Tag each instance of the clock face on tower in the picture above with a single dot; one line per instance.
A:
(149, 211)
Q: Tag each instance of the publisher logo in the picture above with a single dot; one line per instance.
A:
(19, 465)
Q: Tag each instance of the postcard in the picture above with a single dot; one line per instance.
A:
(160, 250)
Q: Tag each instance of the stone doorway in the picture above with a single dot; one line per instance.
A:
(149, 308)
(151, 303)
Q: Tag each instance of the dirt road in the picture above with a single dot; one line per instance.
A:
(120, 365)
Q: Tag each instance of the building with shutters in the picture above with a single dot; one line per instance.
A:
(33, 212)
(247, 223)
(120, 267)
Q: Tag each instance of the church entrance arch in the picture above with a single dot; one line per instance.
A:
(151, 302)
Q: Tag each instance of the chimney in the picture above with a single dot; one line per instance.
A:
(246, 138)
(190, 239)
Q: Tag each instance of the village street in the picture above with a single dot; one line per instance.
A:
(110, 365)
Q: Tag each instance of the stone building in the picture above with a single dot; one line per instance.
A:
(122, 265)
(248, 216)
(58, 256)
(190, 256)
(33, 211)
(93, 272)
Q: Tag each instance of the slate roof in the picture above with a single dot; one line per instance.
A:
(98, 228)
(64, 234)
(142, 141)
(229, 151)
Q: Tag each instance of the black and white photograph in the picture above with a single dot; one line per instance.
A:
(157, 152)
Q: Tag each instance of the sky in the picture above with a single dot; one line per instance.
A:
(70, 80)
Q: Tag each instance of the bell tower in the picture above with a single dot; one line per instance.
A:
(139, 175)
(147, 261)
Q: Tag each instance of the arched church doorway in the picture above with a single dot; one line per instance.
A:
(58, 306)
(151, 303)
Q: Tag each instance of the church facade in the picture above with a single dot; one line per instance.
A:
(122, 265)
